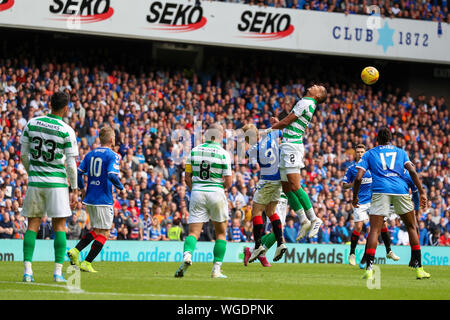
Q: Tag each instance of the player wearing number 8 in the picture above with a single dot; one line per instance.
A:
(47, 144)
(208, 172)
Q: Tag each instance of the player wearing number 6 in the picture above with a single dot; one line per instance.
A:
(47, 144)
(101, 165)
(208, 172)
(387, 163)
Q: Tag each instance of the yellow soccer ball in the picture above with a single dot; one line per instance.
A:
(370, 75)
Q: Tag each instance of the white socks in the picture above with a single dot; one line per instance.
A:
(27, 269)
(216, 267)
(58, 269)
(311, 215)
(301, 215)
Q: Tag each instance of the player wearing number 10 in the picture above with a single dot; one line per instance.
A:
(47, 143)
(101, 165)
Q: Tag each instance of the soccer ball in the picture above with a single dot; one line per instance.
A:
(369, 75)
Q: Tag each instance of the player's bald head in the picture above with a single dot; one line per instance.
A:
(214, 133)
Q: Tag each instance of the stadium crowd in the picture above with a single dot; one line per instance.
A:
(429, 10)
(147, 104)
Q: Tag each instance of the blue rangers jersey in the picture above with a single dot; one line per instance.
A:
(97, 164)
(266, 153)
(387, 165)
(365, 191)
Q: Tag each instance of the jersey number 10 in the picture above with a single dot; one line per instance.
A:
(96, 167)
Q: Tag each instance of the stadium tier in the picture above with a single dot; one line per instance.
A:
(423, 10)
(153, 103)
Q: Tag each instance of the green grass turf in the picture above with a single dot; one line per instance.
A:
(140, 280)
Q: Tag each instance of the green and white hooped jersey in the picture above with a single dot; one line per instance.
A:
(51, 141)
(210, 164)
(304, 110)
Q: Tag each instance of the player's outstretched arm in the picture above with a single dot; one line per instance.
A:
(25, 155)
(188, 179)
(415, 178)
(356, 186)
(73, 179)
(291, 117)
(228, 182)
(114, 178)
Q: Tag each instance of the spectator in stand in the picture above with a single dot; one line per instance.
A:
(155, 230)
(423, 234)
(19, 225)
(113, 233)
(73, 229)
(45, 229)
(445, 239)
(290, 232)
(434, 237)
(6, 227)
(235, 233)
(134, 225)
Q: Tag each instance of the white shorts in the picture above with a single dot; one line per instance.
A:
(291, 159)
(208, 205)
(50, 202)
(101, 216)
(381, 204)
(267, 191)
(361, 213)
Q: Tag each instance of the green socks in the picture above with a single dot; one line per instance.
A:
(59, 243)
(268, 240)
(219, 250)
(29, 242)
(293, 201)
(304, 199)
(189, 244)
(219, 247)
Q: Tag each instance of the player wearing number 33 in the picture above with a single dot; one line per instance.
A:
(48, 143)
(387, 163)
(101, 166)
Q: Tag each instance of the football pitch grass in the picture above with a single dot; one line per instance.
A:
(155, 281)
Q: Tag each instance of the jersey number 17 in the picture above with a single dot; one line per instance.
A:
(391, 155)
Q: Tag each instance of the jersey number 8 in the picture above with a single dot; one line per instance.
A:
(204, 170)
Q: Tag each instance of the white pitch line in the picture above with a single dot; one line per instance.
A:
(168, 296)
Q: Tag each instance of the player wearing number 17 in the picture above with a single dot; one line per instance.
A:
(101, 165)
(387, 163)
(47, 144)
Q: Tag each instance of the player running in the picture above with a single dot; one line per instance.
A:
(48, 143)
(265, 153)
(101, 165)
(387, 163)
(360, 214)
(208, 172)
(291, 159)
